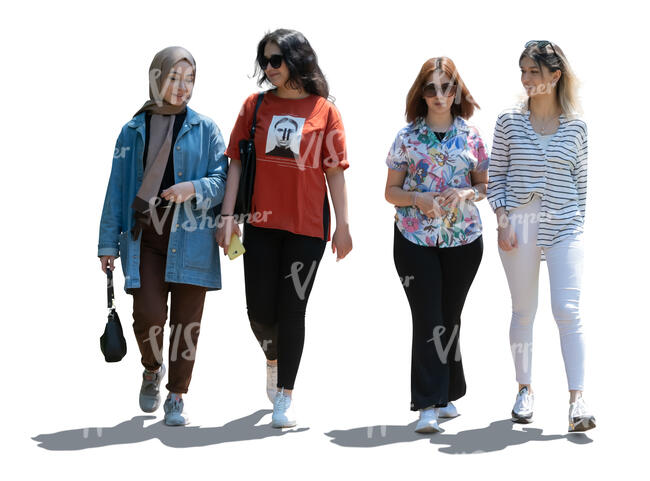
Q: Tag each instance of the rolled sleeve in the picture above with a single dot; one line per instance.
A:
(397, 158)
(498, 167)
(335, 151)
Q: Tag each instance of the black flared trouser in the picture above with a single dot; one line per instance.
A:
(436, 281)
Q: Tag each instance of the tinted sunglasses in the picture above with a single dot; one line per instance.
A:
(542, 44)
(275, 61)
(434, 90)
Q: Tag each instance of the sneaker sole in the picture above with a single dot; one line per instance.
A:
(582, 424)
(516, 418)
(288, 424)
(428, 430)
(177, 423)
(154, 409)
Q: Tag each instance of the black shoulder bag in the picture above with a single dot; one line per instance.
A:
(112, 342)
(247, 177)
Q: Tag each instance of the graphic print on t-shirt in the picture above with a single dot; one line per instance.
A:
(283, 138)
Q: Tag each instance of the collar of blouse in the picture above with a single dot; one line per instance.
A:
(459, 125)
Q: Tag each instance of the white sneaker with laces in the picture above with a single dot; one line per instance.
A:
(283, 415)
(449, 411)
(271, 381)
(522, 412)
(579, 417)
(428, 422)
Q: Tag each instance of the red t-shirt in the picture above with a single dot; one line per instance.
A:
(296, 140)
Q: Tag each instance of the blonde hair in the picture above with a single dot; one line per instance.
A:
(553, 58)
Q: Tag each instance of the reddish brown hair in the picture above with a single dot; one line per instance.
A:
(416, 106)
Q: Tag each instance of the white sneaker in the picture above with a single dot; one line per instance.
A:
(283, 415)
(428, 422)
(522, 412)
(579, 417)
(449, 411)
(271, 381)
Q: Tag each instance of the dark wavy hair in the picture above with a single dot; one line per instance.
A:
(299, 57)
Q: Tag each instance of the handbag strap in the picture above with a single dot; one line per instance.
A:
(257, 106)
(109, 288)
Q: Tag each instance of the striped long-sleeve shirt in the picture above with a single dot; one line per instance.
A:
(520, 168)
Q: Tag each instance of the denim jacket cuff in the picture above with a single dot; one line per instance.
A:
(198, 201)
(108, 251)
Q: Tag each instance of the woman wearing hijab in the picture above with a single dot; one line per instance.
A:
(168, 175)
(300, 147)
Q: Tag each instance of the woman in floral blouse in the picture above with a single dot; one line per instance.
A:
(437, 170)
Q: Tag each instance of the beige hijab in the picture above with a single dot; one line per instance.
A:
(160, 67)
(163, 115)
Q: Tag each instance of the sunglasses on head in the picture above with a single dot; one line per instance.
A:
(542, 44)
(435, 90)
(274, 60)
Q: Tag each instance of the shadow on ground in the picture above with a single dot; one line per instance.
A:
(133, 431)
(497, 436)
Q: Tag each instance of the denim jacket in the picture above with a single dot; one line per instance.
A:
(192, 253)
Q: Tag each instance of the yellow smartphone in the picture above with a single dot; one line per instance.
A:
(236, 248)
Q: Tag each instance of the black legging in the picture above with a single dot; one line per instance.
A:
(279, 272)
(436, 281)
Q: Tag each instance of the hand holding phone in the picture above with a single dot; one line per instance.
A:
(236, 248)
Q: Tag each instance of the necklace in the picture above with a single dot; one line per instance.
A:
(553, 118)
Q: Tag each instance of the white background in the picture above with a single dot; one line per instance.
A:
(73, 74)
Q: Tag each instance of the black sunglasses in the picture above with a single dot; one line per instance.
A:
(541, 44)
(444, 90)
(275, 61)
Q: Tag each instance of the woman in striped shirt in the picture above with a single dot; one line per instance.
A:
(537, 188)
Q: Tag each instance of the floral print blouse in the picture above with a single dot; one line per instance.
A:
(432, 165)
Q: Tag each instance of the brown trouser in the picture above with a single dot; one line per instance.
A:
(150, 311)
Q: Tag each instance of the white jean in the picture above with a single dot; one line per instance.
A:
(521, 265)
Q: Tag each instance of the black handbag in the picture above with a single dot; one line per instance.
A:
(112, 342)
(247, 177)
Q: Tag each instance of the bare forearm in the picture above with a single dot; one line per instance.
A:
(502, 216)
(338, 192)
(400, 197)
(232, 186)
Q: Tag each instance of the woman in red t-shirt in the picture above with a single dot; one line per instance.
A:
(299, 142)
